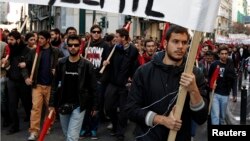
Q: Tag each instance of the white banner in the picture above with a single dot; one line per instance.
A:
(197, 15)
(233, 39)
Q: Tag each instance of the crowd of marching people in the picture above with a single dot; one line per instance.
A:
(88, 79)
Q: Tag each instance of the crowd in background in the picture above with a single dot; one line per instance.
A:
(110, 89)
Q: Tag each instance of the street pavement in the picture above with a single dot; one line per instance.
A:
(234, 108)
(233, 118)
(103, 133)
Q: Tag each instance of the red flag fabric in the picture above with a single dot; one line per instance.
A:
(37, 48)
(164, 32)
(127, 26)
(7, 50)
(7, 54)
(82, 47)
(46, 125)
(1, 34)
(209, 43)
(141, 59)
(214, 76)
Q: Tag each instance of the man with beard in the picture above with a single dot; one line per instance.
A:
(55, 37)
(78, 83)
(154, 89)
(17, 73)
(42, 79)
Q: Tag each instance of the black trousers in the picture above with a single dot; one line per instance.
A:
(4, 101)
(18, 90)
(116, 97)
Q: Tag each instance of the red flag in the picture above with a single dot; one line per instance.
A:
(127, 26)
(141, 59)
(7, 50)
(1, 34)
(46, 125)
(37, 48)
(164, 32)
(214, 77)
(7, 54)
(210, 44)
(81, 47)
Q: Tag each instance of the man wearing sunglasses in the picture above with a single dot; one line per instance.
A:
(78, 83)
(96, 52)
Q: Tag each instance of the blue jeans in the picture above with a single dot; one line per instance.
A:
(218, 110)
(193, 128)
(71, 124)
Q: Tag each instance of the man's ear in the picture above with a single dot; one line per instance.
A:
(165, 42)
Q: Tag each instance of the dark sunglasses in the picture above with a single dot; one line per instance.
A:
(96, 32)
(75, 45)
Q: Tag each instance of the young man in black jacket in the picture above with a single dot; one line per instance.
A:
(154, 91)
(78, 84)
(17, 72)
(120, 68)
(42, 79)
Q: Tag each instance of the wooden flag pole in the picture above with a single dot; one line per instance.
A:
(34, 62)
(86, 49)
(33, 66)
(50, 114)
(211, 99)
(182, 91)
(110, 55)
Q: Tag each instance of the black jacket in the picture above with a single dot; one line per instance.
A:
(122, 65)
(86, 88)
(18, 54)
(55, 55)
(154, 88)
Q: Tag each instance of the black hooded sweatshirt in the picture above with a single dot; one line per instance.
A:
(154, 88)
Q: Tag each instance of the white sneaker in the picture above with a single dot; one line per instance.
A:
(110, 126)
(32, 137)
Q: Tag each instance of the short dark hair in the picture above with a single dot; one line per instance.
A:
(223, 47)
(70, 28)
(149, 40)
(56, 30)
(95, 26)
(209, 53)
(123, 33)
(45, 34)
(110, 37)
(176, 29)
(15, 34)
(29, 35)
(74, 37)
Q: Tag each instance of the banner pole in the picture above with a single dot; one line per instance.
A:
(182, 91)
